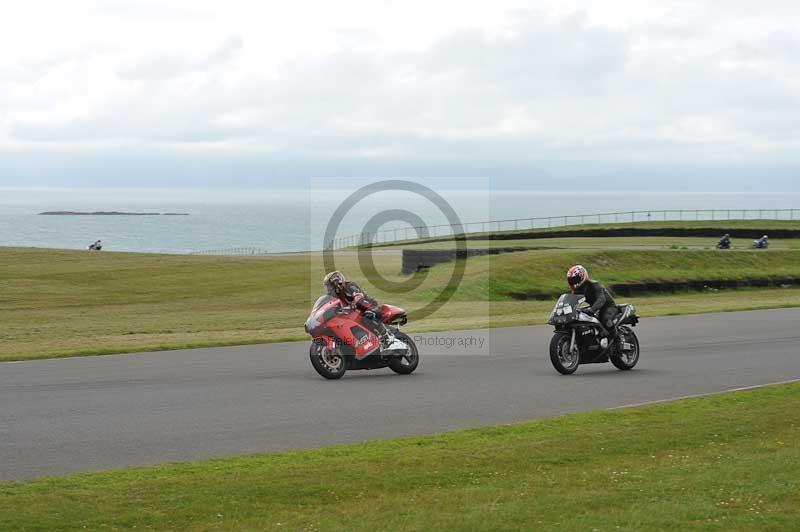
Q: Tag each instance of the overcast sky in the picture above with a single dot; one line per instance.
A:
(536, 94)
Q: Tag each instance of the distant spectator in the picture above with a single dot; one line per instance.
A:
(97, 246)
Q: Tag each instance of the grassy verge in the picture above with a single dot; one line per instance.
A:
(639, 242)
(66, 303)
(519, 313)
(496, 277)
(509, 240)
(724, 462)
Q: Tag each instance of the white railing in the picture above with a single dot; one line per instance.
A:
(548, 222)
(233, 252)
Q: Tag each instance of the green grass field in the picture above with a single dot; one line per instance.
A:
(718, 226)
(64, 303)
(642, 242)
(729, 462)
(543, 271)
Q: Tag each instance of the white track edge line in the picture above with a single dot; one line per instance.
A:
(706, 394)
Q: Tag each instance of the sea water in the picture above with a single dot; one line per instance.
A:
(296, 220)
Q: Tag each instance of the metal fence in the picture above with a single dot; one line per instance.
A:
(233, 252)
(548, 222)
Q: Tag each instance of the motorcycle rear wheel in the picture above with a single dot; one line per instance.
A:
(406, 364)
(626, 361)
(564, 362)
(331, 365)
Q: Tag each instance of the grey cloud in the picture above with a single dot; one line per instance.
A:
(225, 53)
(32, 70)
(157, 67)
(549, 95)
(542, 56)
(166, 66)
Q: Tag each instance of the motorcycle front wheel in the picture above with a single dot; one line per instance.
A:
(330, 364)
(406, 364)
(565, 362)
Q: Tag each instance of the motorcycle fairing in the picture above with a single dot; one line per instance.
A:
(333, 326)
(349, 332)
(627, 315)
(392, 314)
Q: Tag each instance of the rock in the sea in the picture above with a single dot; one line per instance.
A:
(109, 213)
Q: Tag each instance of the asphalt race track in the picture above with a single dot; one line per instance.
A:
(92, 413)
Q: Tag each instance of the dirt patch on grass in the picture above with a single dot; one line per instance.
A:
(417, 259)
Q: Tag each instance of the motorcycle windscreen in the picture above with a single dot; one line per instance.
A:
(321, 300)
(319, 314)
(573, 300)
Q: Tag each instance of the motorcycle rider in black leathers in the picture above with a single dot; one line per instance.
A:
(602, 304)
(351, 295)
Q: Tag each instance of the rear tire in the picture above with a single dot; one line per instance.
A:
(564, 362)
(626, 361)
(332, 366)
(405, 365)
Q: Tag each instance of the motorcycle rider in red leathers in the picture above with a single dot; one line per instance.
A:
(351, 295)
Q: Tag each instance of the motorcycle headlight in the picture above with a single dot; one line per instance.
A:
(311, 324)
(567, 309)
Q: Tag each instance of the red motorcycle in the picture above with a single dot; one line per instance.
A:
(344, 339)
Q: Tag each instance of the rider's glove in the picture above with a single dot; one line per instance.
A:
(369, 314)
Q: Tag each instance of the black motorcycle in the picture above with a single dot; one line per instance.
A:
(580, 338)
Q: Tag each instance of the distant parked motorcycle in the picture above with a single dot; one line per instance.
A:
(761, 243)
(580, 338)
(344, 339)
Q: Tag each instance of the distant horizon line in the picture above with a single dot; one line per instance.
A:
(340, 190)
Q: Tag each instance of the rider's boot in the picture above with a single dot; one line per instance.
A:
(388, 341)
(608, 336)
(396, 344)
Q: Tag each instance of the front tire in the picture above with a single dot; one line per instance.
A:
(406, 364)
(626, 360)
(329, 364)
(565, 362)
